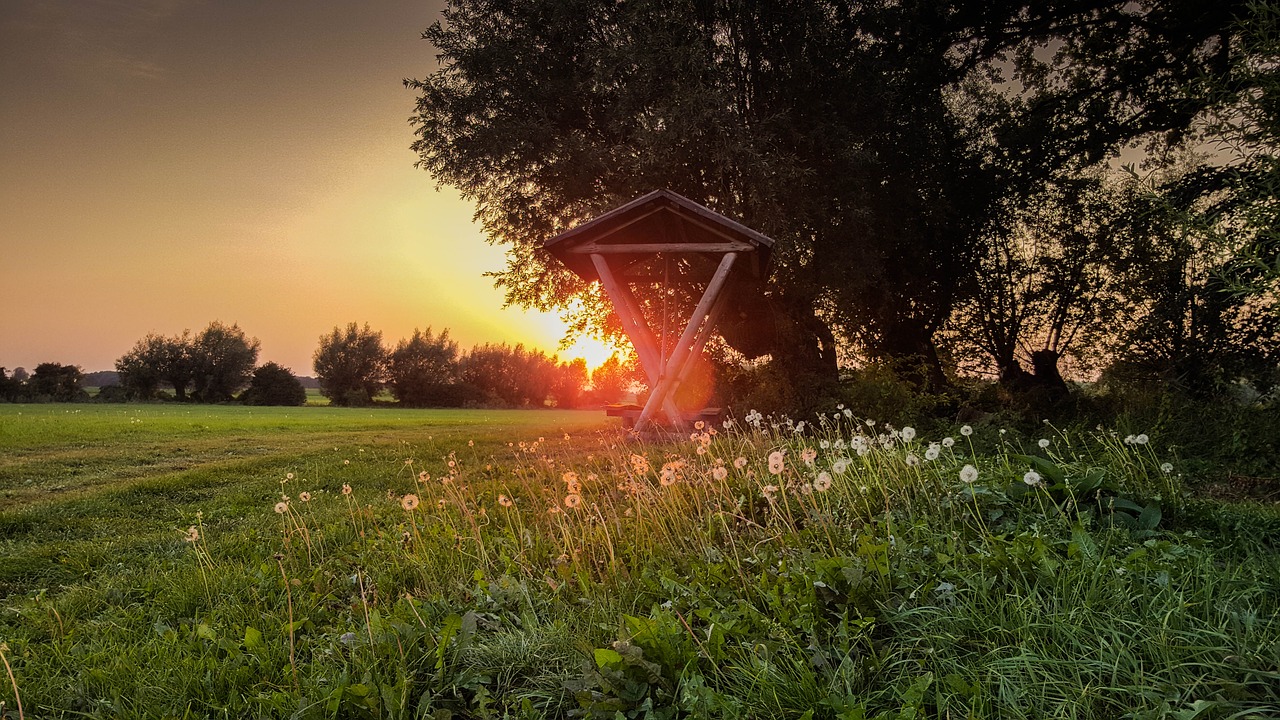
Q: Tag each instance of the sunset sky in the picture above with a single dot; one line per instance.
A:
(166, 163)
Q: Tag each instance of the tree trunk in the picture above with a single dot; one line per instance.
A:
(787, 329)
(910, 347)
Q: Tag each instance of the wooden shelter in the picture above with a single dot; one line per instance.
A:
(666, 240)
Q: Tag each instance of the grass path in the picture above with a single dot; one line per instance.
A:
(82, 477)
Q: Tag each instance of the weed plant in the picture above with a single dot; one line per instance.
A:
(838, 568)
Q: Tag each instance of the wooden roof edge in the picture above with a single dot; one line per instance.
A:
(682, 202)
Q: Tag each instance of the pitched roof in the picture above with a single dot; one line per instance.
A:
(660, 218)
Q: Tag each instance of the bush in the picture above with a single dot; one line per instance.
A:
(274, 385)
(112, 394)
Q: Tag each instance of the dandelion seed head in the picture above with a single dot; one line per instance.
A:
(504, 501)
(823, 482)
(776, 462)
(288, 476)
(304, 496)
(911, 460)
(908, 434)
(640, 464)
(1032, 478)
(968, 474)
(572, 500)
(740, 462)
(282, 507)
(1043, 443)
(409, 502)
(719, 473)
(948, 442)
(932, 452)
(1166, 468)
(1141, 439)
(346, 489)
(966, 430)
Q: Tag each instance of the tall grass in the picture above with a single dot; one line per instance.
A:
(839, 569)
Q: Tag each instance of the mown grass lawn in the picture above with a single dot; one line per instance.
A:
(188, 561)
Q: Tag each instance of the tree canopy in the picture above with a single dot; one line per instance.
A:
(885, 145)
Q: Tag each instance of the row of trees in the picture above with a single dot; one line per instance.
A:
(940, 177)
(51, 382)
(353, 366)
(211, 366)
(219, 364)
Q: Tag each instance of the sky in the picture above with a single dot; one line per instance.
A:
(168, 163)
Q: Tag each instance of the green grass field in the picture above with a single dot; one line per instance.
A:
(169, 561)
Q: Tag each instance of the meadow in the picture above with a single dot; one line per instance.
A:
(167, 561)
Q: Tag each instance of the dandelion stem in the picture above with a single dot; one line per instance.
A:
(12, 680)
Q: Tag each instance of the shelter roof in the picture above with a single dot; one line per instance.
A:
(659, 222)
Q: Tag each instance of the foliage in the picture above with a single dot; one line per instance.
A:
(569, 383)
(112, 394)
(1232, 196)
(273, 384)
(888, 148)
(155, 359)
(610, 380)
(421, 368)
(224, 360)
(351, 365)
(516, 377)
(1049, 286)
(9, 387)
(53, 382)
(406, 576)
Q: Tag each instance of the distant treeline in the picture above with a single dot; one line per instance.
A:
(352, 365)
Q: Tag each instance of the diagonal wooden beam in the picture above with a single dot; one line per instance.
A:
(624, 303)
(682, 350)
(646, 345)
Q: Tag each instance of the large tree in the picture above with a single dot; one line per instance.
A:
(351, 365)
(155, 359)
(879, 142)
(57, 383)
(224, 358)
(421, 369)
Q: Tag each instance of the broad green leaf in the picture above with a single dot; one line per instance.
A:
(607, 656)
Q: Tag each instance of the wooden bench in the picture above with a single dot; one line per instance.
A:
(630, 412)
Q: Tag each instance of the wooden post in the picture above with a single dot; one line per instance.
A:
(682, 351)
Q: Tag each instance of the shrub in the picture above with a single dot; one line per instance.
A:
(112, 394)
(273, 384)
